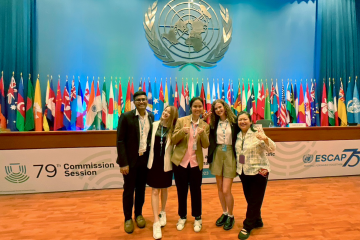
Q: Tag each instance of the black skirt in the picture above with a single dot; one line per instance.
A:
(157, 178)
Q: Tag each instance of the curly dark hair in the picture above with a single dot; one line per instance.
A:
(215, 118)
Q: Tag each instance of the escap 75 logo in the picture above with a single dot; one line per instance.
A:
(355, 154)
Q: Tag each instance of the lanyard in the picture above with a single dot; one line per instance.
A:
(242, 145)
(192, 125)
(161, 137)
(223, 129)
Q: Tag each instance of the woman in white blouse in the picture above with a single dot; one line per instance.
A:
(253, 168)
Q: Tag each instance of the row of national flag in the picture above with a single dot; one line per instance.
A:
(71, 109)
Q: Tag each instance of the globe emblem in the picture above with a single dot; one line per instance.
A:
(188, 33)
(189, 29)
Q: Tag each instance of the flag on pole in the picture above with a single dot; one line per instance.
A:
(307, 107)
(355, 104)
(66, 109)
(243, 101)
(330, 104)
(149, 106)
(223, 91)
(342, 107)
(202, 95)
(144, 85)
(237, 104)
(260, 102)
(324, 108)
(336, 115)
(140, 85)
(166, 97)
(171, 96)
(12, 96)
(296, 97)
(132, 95)
(37, 109)
(104, 106)
(349, 103)
(91, 110)
(187, 99)
(20, 114)
(45, 120)
(267, 110)
(197, 89)
(312, 104)
(232, 98)
(116, 105)
(228, 95)
(182, 109)
(29, 115)
(73, 105)
(253, 104)
(86, 95)
(317, 107)
(128, 98)
(158, 102)
(274, 99)
(302, 117)
(218, 90)
(213, 95)
(2, 103)
(58, 114)
(192, 89)
(98, 107)
(283, 112)
(80, 109)
(111, 107)
(120, 101)
(176, 98)
(208, 100)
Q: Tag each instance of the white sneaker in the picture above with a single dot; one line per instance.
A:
(180, 224)
(157, 231)
(162, 219)
(197, 225)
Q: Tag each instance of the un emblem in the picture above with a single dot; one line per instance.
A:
(17, 175)
(188, 33)
(308, 158)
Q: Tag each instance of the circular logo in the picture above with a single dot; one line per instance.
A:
(188, 29)
(188, 33)
(308, 158)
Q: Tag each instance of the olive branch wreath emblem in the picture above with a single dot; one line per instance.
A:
(164, 55)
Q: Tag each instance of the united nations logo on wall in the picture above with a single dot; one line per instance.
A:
(188, 33)
(308, 158)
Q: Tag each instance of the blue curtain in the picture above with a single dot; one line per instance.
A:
(337, 49)
(17, 38)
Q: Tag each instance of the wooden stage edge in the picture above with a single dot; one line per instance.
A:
(84, 139)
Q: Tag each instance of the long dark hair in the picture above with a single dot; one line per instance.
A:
(248, 115)
(215, 118)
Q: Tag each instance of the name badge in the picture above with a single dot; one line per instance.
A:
(242, 159)
(223, 148)
(194, 147)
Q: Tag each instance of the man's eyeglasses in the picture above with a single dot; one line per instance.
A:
(141, 100)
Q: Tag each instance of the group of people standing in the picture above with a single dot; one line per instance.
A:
(151, 152)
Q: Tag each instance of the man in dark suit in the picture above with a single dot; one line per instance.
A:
(133, 143)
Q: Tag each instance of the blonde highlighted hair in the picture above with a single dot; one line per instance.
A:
(172, 120)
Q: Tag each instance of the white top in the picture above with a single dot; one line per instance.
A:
(224, 127)
(254, 152)
(144, 128)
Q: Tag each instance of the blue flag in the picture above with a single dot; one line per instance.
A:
(349, 103)
(12, 103)
(355, 105)
(197, 90)
(223, 91)
(171, 96)
(274, 97)
(149, 107)
(73, 106)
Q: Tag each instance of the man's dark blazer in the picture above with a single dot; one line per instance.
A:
(128, 138)
(213, 137)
